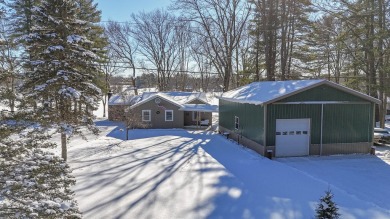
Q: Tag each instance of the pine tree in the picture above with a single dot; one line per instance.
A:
(327, 209)
(21, 16)
(63, 69)
(34, 183)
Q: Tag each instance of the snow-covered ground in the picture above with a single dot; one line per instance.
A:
(199, 174)
(194, 174)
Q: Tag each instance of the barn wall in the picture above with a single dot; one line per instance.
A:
(251, 119)
(323, 93)
(244, 141)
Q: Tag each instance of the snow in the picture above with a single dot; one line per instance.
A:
(54, 48)
(69, 91)
(177, 173)
(121, 99)
(199, 107)
(262, 92)
(175, 96)
(265, 92)
(74, 38)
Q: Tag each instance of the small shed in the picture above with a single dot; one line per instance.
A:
(298, 118)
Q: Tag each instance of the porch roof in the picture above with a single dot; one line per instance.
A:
(199, 107)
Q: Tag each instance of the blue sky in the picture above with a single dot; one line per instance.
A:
(120, 10)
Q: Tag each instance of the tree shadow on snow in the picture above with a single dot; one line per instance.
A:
(161, 169)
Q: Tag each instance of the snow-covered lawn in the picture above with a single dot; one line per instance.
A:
(193, 174)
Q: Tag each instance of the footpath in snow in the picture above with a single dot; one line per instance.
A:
(193, 174)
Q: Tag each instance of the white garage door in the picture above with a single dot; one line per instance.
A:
(292, 137)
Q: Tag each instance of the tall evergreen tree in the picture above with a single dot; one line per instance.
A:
(34, 183)
(63, 68)
(21, 16)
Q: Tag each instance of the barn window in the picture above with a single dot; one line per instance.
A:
(146, 115)
(237, 122)
(168, 115)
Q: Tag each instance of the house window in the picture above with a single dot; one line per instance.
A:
(168, 115)
(146, 115)
(236, 122)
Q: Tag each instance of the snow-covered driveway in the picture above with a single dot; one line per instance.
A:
(190, 174)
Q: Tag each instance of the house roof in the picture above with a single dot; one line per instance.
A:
(199, 107)
(266, 92)
(121, 99)
(176, 98)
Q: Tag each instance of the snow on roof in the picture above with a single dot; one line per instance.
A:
(269, 91)
(178, 97)
(199, 107)
(265, 91)
(175, 97)
(121, 99)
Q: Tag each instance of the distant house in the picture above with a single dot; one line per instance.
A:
(172, 109)
(298, 118)
(118, 103)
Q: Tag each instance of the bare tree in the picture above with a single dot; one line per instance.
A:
(9, 64)
(202, 61)
(122, 45)
(133, 120)
(109, 67)
(156, 33)
(221, 22)
(183, 41)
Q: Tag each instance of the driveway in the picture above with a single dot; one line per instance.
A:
(193, 174)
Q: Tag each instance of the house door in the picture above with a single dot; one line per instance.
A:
(292, 137)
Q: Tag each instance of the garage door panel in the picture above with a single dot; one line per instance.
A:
(292, 137)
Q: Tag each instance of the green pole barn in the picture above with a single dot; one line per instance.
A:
(298, 118)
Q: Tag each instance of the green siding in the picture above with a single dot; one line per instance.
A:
(347, 123)
(251, 119)
(294, 111)
(323, 93)
(343, 123)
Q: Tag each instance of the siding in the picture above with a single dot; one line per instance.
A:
(343, 123)
(347, 123)
(251, 119)
(158, 119)
(323, 93)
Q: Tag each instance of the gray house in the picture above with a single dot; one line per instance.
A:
(173, 109)
(298, 118)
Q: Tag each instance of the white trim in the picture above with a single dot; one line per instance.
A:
(166, 115)
(152, 98)
(322, 102)
(143, 116)
(236, 122)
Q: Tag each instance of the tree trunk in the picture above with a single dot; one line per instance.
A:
(133, 82)
(64, 153)
(104, 101)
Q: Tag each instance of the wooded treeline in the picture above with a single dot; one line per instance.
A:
(235, 42)
(239, 41)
